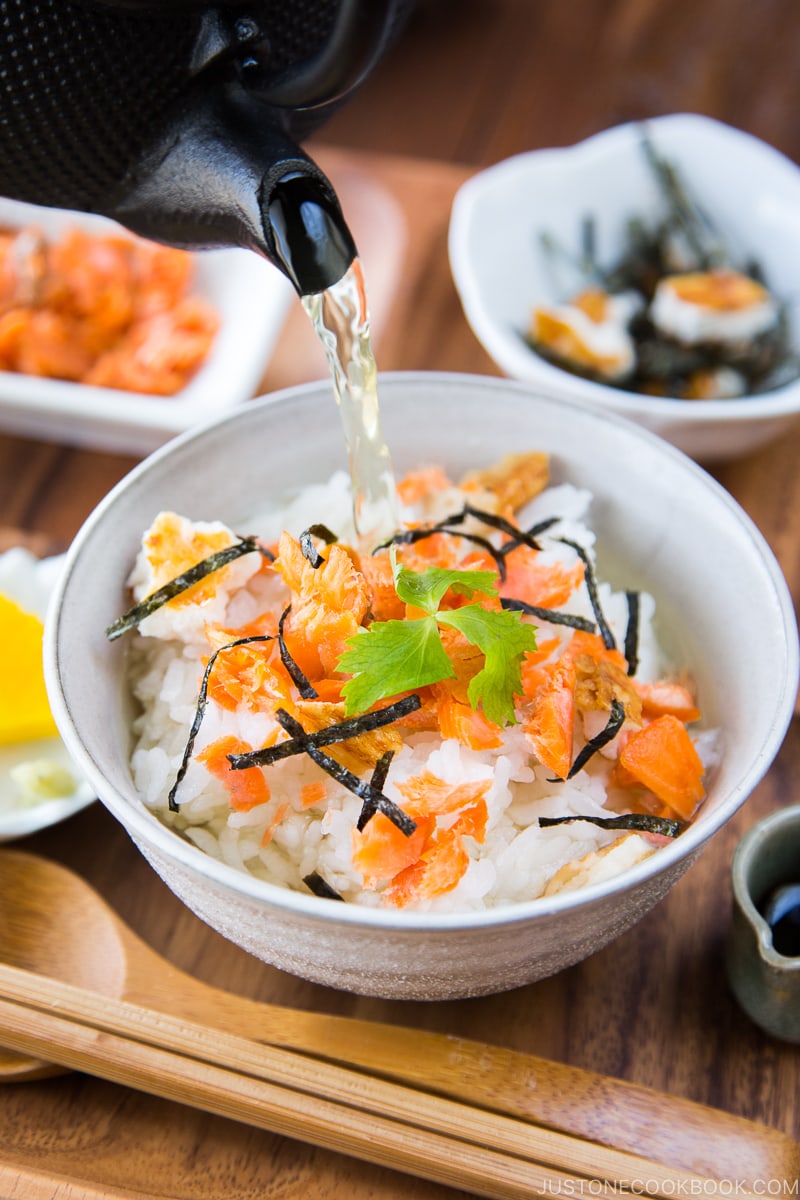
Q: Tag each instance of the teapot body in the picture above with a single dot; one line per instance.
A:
(179, 119)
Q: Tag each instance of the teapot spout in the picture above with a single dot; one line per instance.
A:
(310, 241)
(229, 174)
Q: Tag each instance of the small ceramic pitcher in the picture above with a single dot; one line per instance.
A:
(765, 982)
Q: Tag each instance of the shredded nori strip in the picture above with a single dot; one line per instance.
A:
(548, 614)
(591, 587)
(309, 549)
(359, 787)
(326, 535)
(378, 778)
(685, 212)
(517, 536)
(600, 739)
(303, 685)
(589, 244)
(483, 542)
(341, 732)
(524, 537)
(134, 616)
(527, 537)
(202, 700)
(320, 887)
(381, 769)
(640, 822)
(407, 537)
(632, 632)
(542, 526)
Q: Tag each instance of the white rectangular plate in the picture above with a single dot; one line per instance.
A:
(251, 297)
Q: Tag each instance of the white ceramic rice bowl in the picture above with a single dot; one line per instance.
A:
(661, 523)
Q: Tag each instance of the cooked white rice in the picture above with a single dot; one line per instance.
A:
(518, 860)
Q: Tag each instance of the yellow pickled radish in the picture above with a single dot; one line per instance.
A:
(24, 710)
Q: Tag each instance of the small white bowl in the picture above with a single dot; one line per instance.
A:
(750, 191)
(18, 821)
(251, 298)
(661, 522)
(29, 582)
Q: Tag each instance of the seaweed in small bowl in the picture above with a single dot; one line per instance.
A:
(677, 314)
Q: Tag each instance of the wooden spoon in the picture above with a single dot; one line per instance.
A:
(52, 922)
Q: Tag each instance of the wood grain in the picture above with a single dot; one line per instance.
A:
(470, 82)
(59, 931)
(474, 81)
(408, 1128)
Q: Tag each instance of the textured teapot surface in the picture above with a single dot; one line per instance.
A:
(177, 119)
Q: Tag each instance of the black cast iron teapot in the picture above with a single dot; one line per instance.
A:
(182, 120)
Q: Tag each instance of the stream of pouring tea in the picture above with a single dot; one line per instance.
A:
(341, 320)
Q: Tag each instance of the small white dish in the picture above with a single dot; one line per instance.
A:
(19, 819)
(29, 582)
(251, 297)
(750, 191)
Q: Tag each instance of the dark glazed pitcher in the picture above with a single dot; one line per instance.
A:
(764, 972)
(183, 120)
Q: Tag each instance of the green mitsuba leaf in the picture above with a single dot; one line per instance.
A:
(392, 657)
(426, 589)
(503, 642)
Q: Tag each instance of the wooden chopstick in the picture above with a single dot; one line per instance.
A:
(328, 1105)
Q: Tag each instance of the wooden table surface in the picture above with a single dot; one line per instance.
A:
(653, 1007)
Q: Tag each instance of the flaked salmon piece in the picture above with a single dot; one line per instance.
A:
(601, 680)
(531, 578)
(317, 636)
(249, 676)
(381, 850)
(159, 353)
(173, 544)
(384, 602)
(457, 718)
(328, 605)
(550, 725)
(336, 582)
(426, 794)
(416, 485)
(264, 625)
(45, 344)
(587, 676)
(424, 719)
(358, 753)
(438, 550)
(668, 696)
(106, 310)
(313, 793)
(514, 480)
(532, 674)
(663, 757)
(247, 788)
(439, 869)
(600, 865)
(443, 862)
(467, 725)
